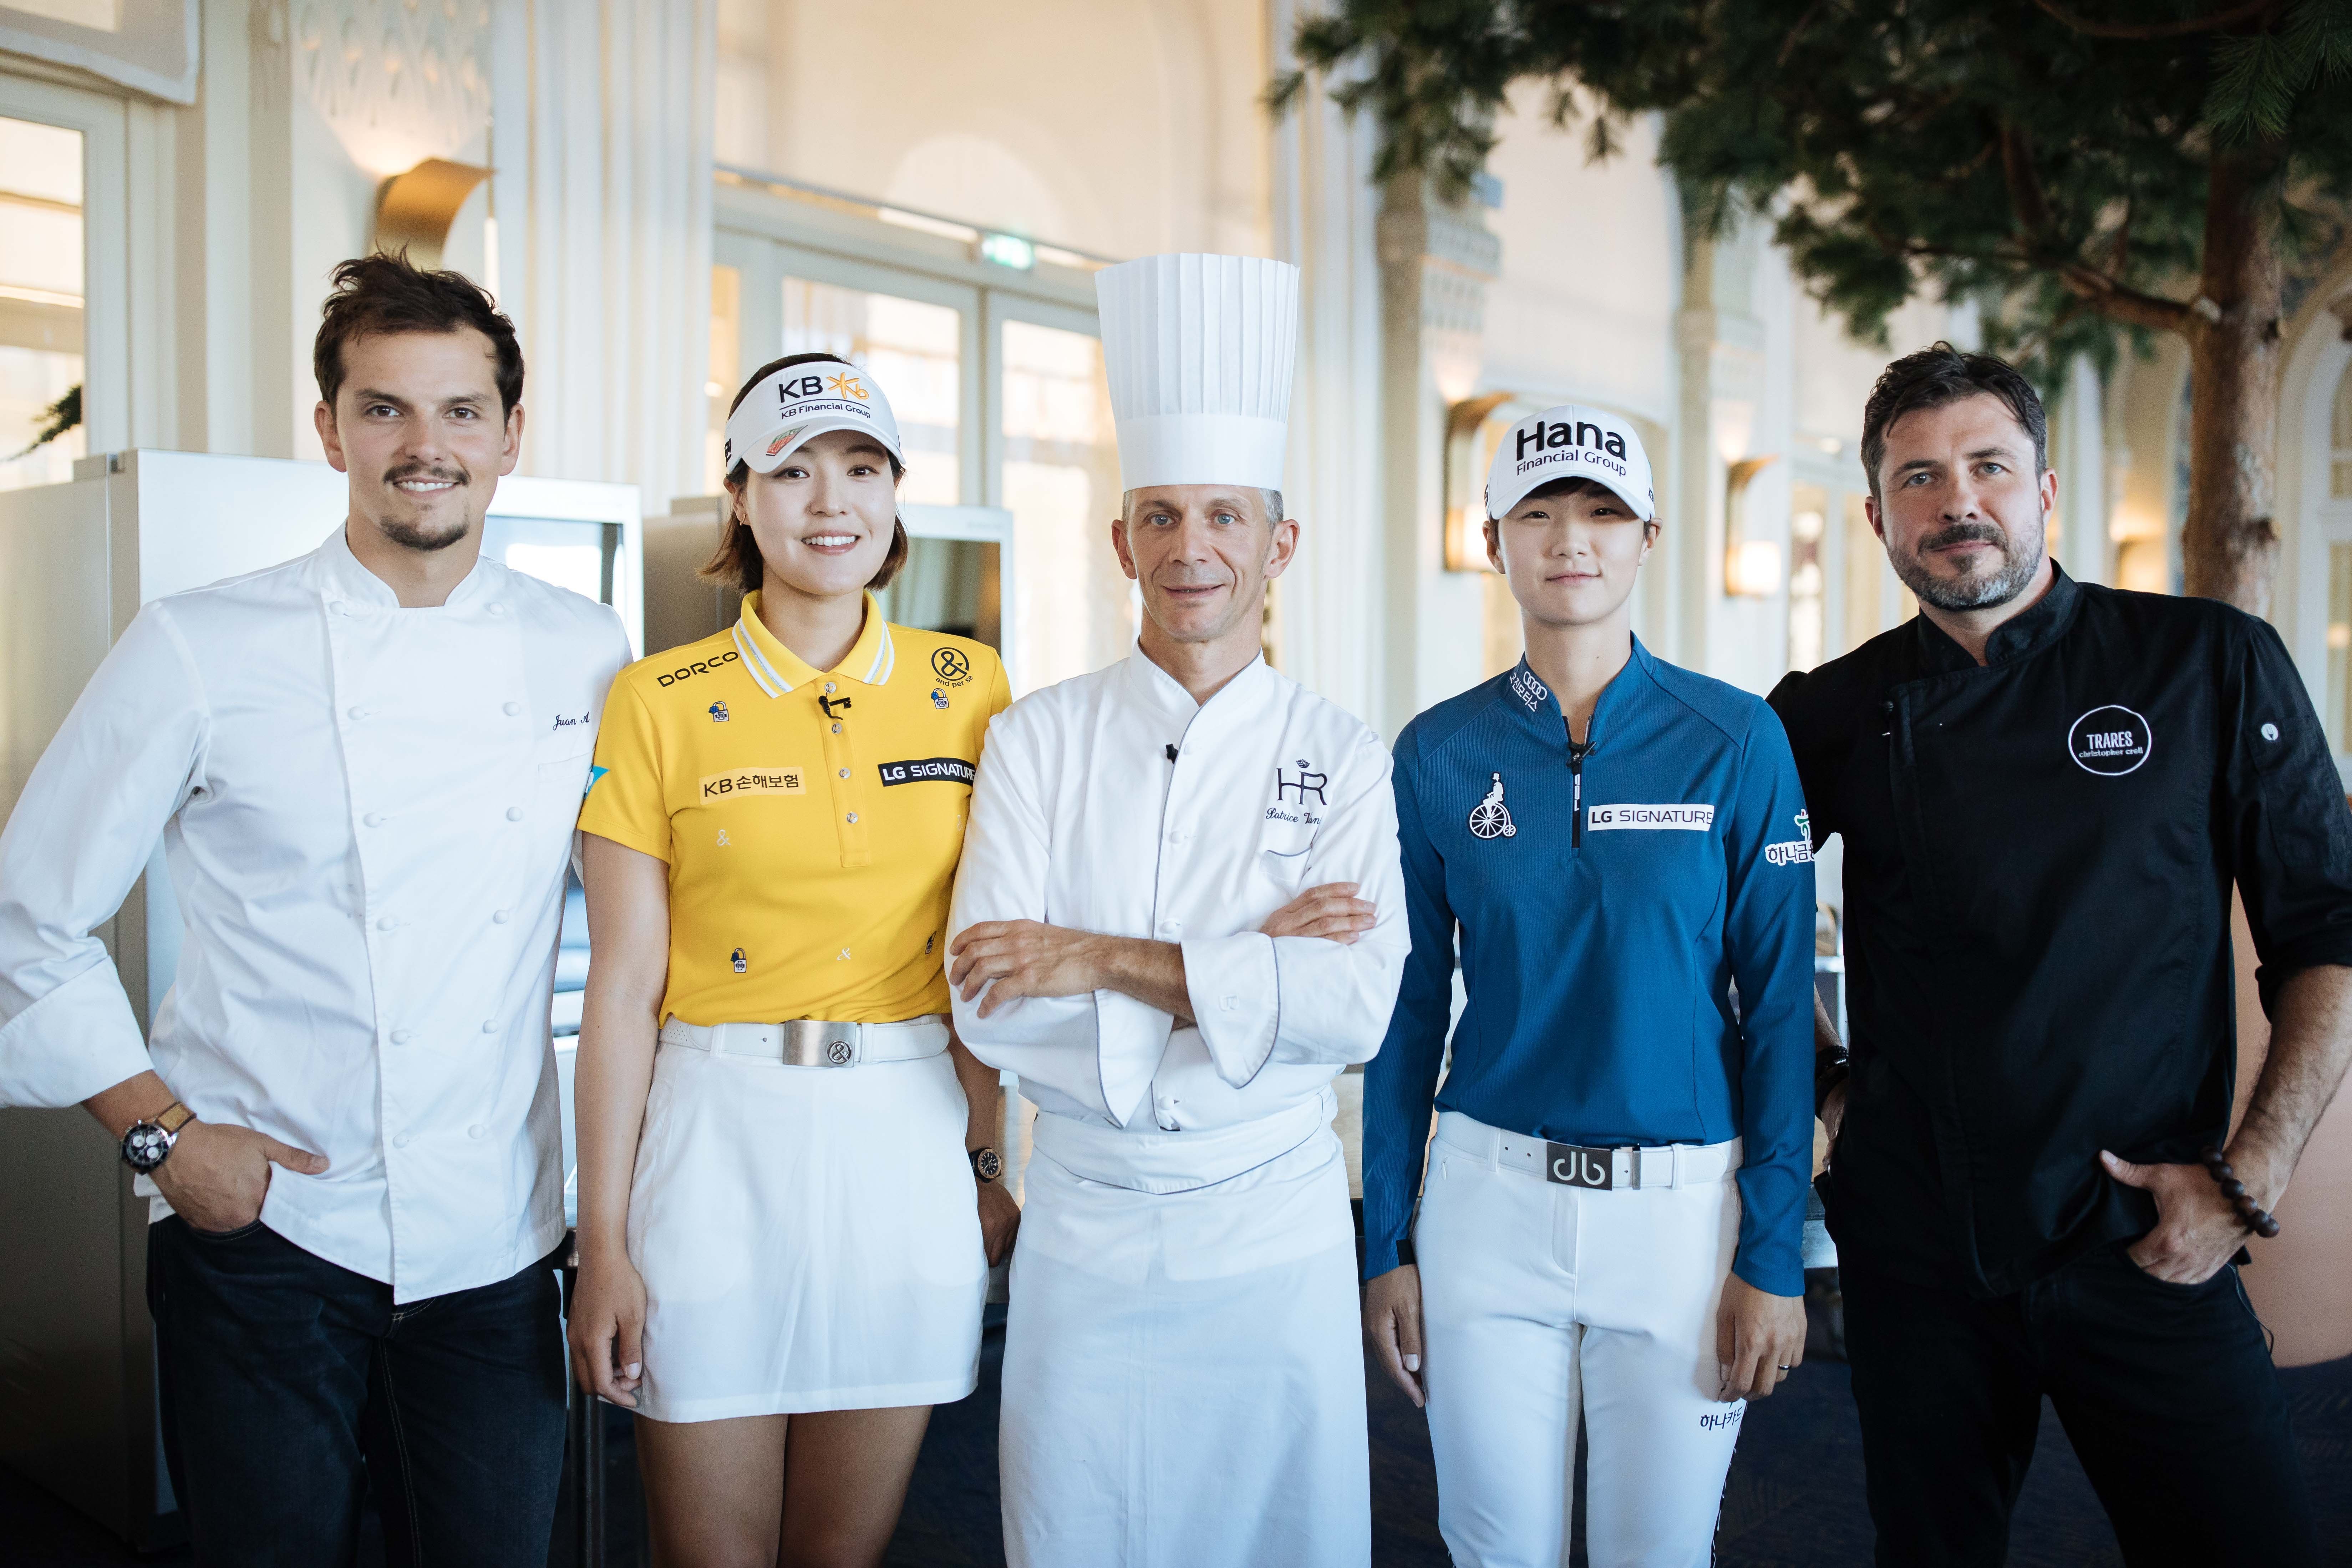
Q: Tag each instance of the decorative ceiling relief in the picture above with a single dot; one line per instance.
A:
(397, 80)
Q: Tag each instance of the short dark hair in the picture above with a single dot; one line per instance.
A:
(1940, 374)
(380, 293)
(736, 562)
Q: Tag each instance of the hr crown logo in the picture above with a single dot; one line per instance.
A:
(1307, 782)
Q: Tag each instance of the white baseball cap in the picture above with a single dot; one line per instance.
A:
(1570, 442)
(787, 407)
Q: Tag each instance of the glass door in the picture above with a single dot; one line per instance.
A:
(1053, 464)
(42, 429)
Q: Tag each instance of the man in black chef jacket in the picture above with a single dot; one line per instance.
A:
(2047, 790)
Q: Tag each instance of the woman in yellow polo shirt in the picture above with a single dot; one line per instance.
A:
(778, 1136)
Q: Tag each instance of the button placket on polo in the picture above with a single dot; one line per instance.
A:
(851, 811)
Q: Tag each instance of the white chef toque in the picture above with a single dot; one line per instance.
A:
(1570, 442)
(1200, 351)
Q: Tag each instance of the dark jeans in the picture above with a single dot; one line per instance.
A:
(289, 1383)
(2167, 1393)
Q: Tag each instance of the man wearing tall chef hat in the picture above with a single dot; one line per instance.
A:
(1179, 916)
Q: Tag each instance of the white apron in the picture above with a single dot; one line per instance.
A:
(809, 1238)
(1182, 1381)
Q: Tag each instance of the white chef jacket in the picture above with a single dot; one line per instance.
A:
(1079, 819)
(366, 812)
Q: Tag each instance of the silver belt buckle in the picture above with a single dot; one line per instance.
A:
(815, 1043)
(1573, 1165)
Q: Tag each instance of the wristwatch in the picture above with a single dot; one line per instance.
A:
(987, 1164)
(146, 1145)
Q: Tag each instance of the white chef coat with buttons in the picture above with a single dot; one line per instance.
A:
(366, 812)
(1080, 819)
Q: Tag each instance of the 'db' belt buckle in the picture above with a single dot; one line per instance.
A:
(1572, 1165)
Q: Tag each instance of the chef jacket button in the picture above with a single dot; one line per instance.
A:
(2270, 732)
(358, 713)
(836, 729)
(1176, 837)
(501, 916)
(374, 819)
(401, 1141)
(1227, 1003)
(513, 709)
(1172, 928)
(476, 1131)
(339, 607)
(490, 1026)
(498, 609)
(852, 817)
(387, 924)
(844, 773)
(401, 1037)
(514, 813)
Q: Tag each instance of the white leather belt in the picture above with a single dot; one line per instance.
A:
(816, 1043)
(1577, 1165)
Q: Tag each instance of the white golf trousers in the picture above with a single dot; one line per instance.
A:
(1539, 1299)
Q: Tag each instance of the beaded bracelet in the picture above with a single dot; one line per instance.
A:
(2251, 1215)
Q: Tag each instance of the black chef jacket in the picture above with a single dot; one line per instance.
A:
(2039, 853)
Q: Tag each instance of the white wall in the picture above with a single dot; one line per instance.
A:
(1120, 127)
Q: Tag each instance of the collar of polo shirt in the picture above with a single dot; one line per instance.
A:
(776, 669)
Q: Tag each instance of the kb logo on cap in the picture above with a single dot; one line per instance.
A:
(843, 383)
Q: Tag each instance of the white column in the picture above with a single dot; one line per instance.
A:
(601, 138)
(2078, 451)
(1325, 212)
(1436, 260)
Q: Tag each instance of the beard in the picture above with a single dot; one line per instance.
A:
(1977, 589)
(422, 535)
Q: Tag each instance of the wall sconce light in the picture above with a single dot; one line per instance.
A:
(1751, 567)
(413, 211)
(1467, 454)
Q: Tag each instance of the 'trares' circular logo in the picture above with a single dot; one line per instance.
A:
(2111, 741)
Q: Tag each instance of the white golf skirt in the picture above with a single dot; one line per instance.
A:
(809, 1238)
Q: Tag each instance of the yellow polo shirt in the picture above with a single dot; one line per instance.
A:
(812, 820)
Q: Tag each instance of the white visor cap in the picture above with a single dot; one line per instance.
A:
(1200, 351)
(1570, 442)
(787, 407)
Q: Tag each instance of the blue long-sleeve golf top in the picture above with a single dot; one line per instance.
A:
(1636, 923)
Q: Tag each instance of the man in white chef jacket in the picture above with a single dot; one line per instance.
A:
(1179, 915)
(363, 766)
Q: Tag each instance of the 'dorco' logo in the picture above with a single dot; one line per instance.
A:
(2111, 741)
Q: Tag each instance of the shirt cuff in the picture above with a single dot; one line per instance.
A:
(1236, 994)
(76, 1041)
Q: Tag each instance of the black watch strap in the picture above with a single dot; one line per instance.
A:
(987, 1164)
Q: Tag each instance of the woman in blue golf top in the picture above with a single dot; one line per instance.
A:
(1609, 1221)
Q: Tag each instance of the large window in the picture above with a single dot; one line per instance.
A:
(41, 241)
(915, 350)
(995, 373)
(1059, 478)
